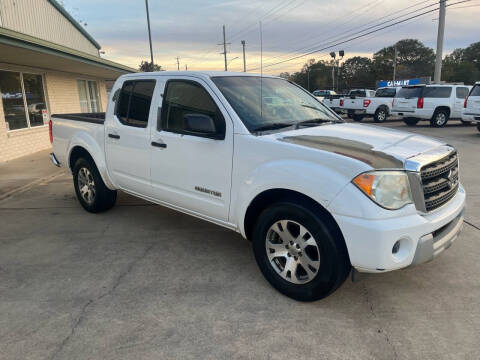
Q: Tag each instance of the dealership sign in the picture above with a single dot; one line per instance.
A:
(392, 83)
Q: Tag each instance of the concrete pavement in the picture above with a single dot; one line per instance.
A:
(144, 282)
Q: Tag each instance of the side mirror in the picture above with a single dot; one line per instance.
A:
(200, 125)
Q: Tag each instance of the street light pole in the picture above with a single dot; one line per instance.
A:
(149, 34)
(244, 62)
(441, 33)
(395, 63)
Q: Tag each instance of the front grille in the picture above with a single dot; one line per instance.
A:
(440, 181)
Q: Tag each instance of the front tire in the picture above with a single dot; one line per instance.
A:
(410, 121)
(92, 193)
(298, 253)
(381, 115)
(440, 118)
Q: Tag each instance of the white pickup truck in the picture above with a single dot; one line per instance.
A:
(315, 195)
(471, 111)
(377, 106)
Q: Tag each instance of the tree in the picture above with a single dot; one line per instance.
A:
(146, 66)
(413, 60)
(462, 65)
(357, 72)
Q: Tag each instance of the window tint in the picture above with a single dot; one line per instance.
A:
(386, 92)
(185, 98)
(461, 92)
(437, 92)
(475, 91)
(358, 93)
(133, 105)
(409, 92)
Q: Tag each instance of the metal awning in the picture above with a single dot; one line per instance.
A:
(25, 50)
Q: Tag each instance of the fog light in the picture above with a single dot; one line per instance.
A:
(396, 247)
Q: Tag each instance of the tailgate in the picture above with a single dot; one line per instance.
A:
(408, 105)
(353, 104)
(473, 106)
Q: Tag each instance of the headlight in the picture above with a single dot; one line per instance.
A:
(389, 189)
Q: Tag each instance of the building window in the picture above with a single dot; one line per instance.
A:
(89, 99)
(23, 99)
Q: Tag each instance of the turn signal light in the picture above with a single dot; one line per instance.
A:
(366, 102)
(50, 131)
(365, 182)
(341, 102)
(465, 103)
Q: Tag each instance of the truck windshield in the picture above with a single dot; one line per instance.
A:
(282, 104)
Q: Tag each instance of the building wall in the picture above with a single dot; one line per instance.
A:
(62, 97)
(39, 18)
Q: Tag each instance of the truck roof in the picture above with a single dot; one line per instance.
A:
(201, 74)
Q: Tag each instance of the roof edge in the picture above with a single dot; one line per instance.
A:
(74, 22)
(59, 49)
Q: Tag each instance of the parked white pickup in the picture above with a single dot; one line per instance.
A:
(379, 106)
(315, 195)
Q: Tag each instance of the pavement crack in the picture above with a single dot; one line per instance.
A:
(374, 315)
(472, 225)
(83, 312)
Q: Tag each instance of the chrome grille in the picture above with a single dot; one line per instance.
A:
(440, 181)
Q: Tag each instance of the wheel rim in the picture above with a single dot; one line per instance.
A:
(381, 116)
(441, 119)
(292, 252)
(86, 185)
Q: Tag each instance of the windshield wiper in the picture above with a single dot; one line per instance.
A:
(312, 107)
(311, 122)
(273, 126)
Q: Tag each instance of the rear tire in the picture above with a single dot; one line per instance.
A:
(304, 240)
(381, 115)
(410, 121)
(440, 118)
(92, 193)
(357, 118)
(466, 122)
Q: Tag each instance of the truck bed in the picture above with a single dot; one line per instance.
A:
(96, 118)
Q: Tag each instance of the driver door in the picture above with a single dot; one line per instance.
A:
(192, 170)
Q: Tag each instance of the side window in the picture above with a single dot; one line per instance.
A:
(437, 92)
(461, 92)
(475, 91)
(133, 105)
(184, 98)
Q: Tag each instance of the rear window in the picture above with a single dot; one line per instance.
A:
(359, 93)
(437, 92)
(409, 92)
(475, 91)
(387, 92)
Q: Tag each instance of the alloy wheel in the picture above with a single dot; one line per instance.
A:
(86, 185)
(292, 251)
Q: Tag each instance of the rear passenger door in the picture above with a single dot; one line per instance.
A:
(127, 137)
(461, 93)
(191, 170)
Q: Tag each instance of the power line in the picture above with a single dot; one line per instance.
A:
(361, 35)
(359, 29)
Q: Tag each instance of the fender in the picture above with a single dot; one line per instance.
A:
(314, 180)
(88, 142)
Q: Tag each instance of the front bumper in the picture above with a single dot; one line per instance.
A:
(422, 237)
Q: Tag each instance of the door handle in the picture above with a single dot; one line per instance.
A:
(114, 136)
(160, 145)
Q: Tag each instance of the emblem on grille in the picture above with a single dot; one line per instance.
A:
(450, 179)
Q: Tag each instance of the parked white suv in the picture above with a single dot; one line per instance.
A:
(263, 157)
(436, 103)
(471, 111)
(378, 106)
(322, 94)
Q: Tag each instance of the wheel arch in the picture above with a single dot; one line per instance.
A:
(271, 196)
(443, 107)
(383, 107)
(78, 151)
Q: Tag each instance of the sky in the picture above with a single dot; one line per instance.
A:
(192, 29)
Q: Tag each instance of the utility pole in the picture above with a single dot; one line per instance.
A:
(186, 67)
(149, 34)
(308, 80)
(441, 33)
(224, 48)
(395, 64)
(178, 63)
(244, 62)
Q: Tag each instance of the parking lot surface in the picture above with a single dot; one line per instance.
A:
(144, 282)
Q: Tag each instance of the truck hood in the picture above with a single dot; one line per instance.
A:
(376, 146)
